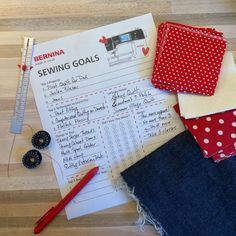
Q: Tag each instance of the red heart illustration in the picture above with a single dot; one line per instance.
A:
(145, 51)
(103, 40)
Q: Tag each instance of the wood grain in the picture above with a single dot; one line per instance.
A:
(26, 194)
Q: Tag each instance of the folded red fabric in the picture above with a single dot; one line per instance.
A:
(215, 134)
(188, 59)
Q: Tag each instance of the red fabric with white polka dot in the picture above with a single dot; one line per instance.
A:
(188, 59)
(215, 134)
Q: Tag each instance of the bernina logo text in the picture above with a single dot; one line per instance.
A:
(48, 55)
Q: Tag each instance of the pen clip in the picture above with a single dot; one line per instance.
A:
(47, 213)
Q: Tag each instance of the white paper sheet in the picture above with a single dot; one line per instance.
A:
(224, 98)
(100, 107)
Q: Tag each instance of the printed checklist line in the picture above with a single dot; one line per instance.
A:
(84, 170)
(98, 196)
(81, 122)
(96, 189)
(79, 108)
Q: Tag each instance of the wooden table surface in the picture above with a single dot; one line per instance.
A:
(26, 194)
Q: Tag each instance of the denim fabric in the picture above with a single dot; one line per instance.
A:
(188, 194)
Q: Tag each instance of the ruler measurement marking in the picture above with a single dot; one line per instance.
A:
(22, 87)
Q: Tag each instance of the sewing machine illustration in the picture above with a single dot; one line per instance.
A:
(125, 47)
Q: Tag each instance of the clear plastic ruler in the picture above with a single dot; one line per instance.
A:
(22, 87)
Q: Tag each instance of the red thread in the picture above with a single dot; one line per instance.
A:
(24, 67)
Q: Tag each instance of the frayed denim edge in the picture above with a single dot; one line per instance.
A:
(145, 216)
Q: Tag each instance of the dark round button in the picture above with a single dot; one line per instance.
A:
(41, 139)
(32, 158)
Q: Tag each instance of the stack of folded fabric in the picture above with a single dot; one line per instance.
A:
(192, 62)
(188, 59)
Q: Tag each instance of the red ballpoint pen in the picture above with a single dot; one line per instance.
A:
(52, 212)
